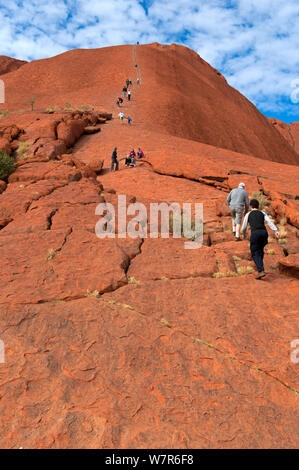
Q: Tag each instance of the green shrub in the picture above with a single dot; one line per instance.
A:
(3, 113)
(7, 165)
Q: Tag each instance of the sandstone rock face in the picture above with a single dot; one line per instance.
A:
(8, 64)
(139, 342)
(195, 102)
(289, 131)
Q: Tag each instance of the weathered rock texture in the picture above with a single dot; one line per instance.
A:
(180, 94)
(140, 343)
(8, 64)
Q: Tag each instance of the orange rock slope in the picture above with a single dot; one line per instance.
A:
(140, 343)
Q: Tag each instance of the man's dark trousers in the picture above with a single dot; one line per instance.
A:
(258, 240)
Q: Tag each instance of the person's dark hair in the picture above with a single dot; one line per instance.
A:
(254, 204)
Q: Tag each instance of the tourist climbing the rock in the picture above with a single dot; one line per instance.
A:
(119, 101)
(128, 160)
(114, 161)
(129, 120)
(133, 161)
(129, 95)
(259, 235)
(237, 201)
(138, 81)
(130, 81)
(121, 116)
(127, 83)
(140, 153)
(125, 91)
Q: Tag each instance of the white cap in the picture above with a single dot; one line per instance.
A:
(241, 185)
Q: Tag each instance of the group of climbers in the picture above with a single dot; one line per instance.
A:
(126, 94)
(238, 201)
(130, 160)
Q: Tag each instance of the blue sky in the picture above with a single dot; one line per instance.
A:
(254, 43)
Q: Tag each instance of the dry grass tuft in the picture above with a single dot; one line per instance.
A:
(94, 293)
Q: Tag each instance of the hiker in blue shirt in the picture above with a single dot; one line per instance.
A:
(129, 120)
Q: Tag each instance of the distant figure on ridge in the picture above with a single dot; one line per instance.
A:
(129, 95)
(259, 234)
(129, 120)
(140, 153)
(237, 200)
(114, 160)
(121, 116)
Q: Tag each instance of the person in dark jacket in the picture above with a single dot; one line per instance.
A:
(259, 235)
(114, 161)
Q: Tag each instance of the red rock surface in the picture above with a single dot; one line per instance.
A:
(289, 131)
(140, 343)
(181, 95)
(8, 64)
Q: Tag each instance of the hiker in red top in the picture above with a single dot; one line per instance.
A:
(140, 153)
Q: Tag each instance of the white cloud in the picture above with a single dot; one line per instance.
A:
(254, 43)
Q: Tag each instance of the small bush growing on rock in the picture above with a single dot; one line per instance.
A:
(245, 270)
(165, 323)
(282, 232)
(132, 280)
(270, 252)
(68, 106)
(51, 254)
(22, 150)
(7, 165)
(51, 109)
(263, 202)
(94, 293)
(3, 113)
(221, 274)
(32, 101)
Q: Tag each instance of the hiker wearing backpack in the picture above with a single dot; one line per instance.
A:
(121, 116)
(114, 161)
(129, 95)
(237, 201)
(125, 91)
(130, 81)
(259, 235)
